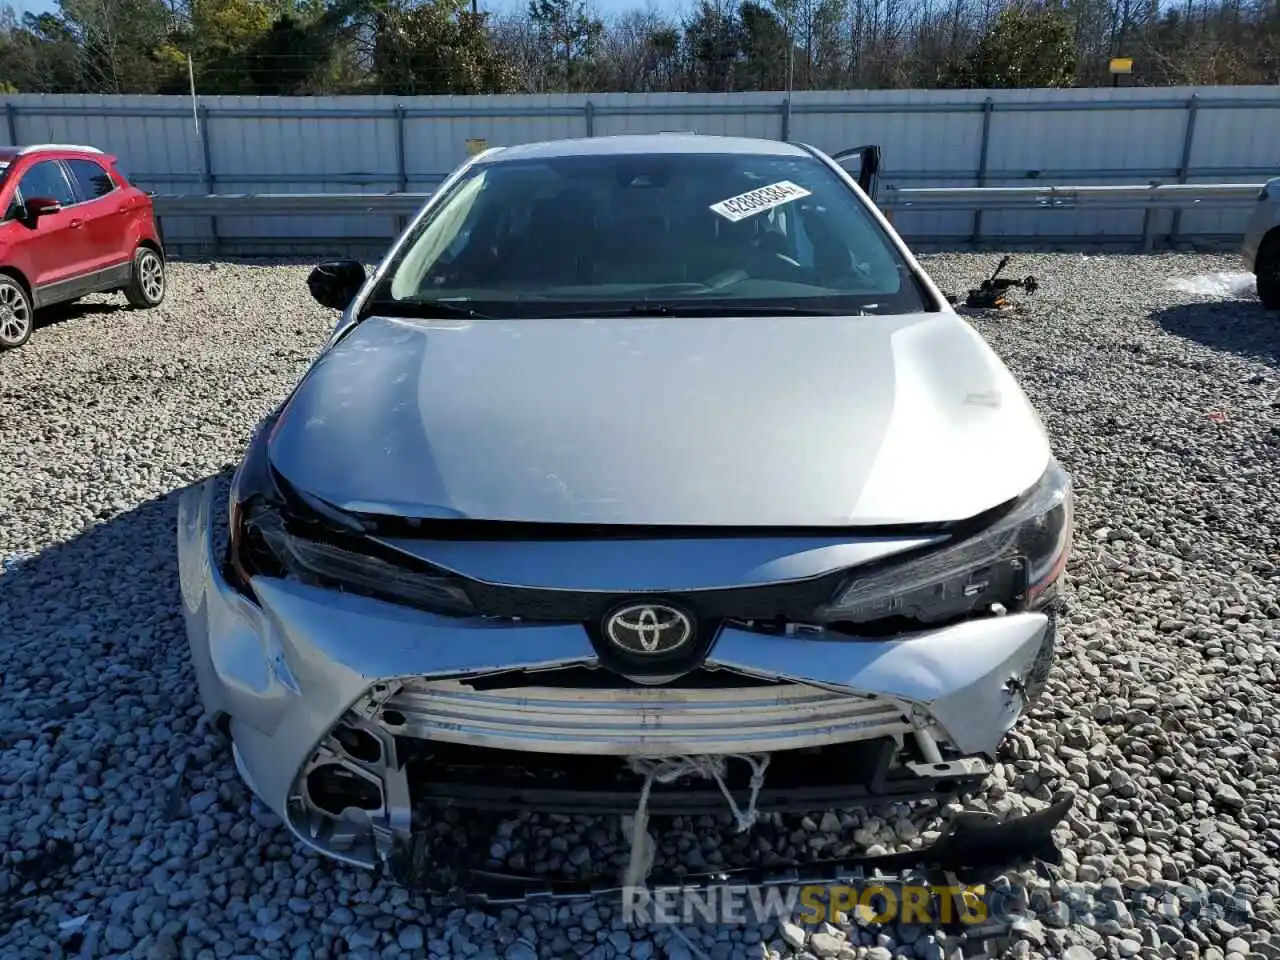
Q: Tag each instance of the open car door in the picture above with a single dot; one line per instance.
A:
(863, 164)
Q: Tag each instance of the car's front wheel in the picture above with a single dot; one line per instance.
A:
(16, 315)
(1267, 270)
(146, 284)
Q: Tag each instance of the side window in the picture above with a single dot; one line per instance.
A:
(45, 179)
(91, 179)
(11, 208)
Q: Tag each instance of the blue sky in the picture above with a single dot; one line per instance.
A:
(31, 6)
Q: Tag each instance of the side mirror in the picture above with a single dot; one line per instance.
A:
(38, 207)
(335, 284)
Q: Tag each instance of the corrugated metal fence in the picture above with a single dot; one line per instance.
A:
(378, 144)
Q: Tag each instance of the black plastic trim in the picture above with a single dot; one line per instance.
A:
(976, 847)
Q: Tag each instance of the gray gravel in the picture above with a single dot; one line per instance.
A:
(125, 832)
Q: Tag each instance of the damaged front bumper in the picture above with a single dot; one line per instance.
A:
(348, 714)
(974, 848)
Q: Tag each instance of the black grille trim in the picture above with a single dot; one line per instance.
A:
(792, 600)
(406, 528)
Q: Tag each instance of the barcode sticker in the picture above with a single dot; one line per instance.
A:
(756, 201)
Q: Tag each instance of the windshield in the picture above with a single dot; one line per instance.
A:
(662, 233)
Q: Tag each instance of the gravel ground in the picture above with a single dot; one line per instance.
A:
(123, 828)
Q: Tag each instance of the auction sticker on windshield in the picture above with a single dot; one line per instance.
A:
(758, 200)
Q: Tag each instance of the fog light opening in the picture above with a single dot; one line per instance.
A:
(393, 718)
(359, 745)
(333, 789)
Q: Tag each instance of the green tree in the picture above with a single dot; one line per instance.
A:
(313, 48)
(764, 48)
(713, 44)
(1028, 45)
(118, 40)
(438, 47)
(664, 56)
(219, 36)
(569, 37)
(40, 55)
(292, 57)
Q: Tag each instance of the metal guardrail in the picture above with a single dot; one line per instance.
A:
(1167, 195)
(1149, 198)
(287, 204)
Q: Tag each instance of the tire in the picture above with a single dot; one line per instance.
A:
(1267, 270)
(147, 281)
(17, 319)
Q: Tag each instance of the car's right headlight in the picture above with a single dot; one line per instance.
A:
(1015, 562)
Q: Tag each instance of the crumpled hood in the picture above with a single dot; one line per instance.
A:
(794, 421)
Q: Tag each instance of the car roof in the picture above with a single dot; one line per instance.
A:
(651, 144)
(12, 153)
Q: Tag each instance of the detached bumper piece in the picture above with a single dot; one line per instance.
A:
(976, 848)
(449, 854)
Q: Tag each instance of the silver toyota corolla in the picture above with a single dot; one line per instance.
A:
(632, 450)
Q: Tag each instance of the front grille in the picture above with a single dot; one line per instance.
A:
(787, 601)
(625, 720)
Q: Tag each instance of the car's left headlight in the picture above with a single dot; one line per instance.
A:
(1015, 562)
(278, 531)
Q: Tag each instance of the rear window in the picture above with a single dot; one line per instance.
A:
(90, 178)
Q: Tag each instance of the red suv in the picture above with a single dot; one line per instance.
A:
(73, 225)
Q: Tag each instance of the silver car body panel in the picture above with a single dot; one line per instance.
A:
(819, 421)
(287, 669)
(1264, 219)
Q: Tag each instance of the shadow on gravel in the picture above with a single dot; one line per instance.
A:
(271, 260)
(95, 678)
(1234, 326)
(91, 639)
(62, 312)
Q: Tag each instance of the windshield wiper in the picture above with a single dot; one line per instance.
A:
(424, 308)
(659, 308)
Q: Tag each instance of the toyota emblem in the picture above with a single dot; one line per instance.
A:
(649, 629)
